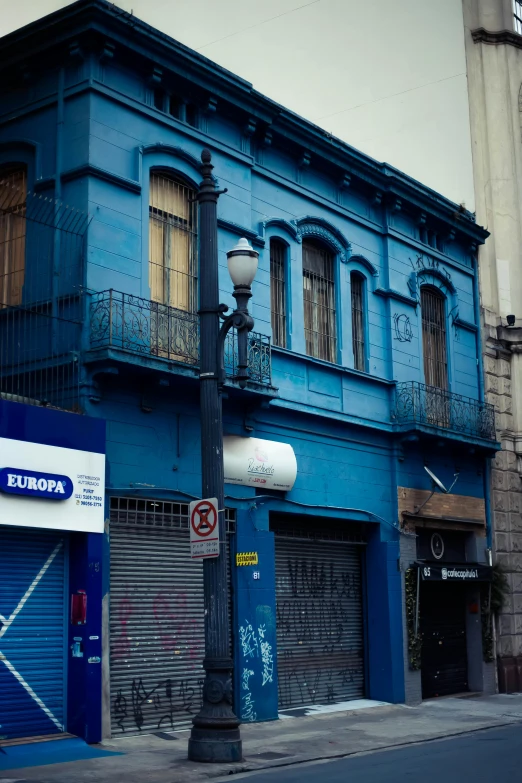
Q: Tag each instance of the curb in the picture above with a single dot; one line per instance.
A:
(348, 754)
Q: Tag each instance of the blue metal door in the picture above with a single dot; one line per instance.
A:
(33, 631)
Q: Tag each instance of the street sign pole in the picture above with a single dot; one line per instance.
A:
(215, 733)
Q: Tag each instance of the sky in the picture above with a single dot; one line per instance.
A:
(387, 77)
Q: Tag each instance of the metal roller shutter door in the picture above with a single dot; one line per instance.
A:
(33, 632)
(157, 640)
(320, 657)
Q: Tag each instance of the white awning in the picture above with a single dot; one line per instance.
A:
(264, 464)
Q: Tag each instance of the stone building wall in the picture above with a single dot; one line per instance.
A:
(506, 494)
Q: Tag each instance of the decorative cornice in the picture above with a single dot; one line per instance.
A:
(510, 337)
(465, 324)
(310, 226)
(280, 223)
(107, 52)
(241, 231)
(155, 77)
(304, 160)
(175, 152)
(389, 293)
(366, 264)
(498, 38)
(427, 276)
(88, 170)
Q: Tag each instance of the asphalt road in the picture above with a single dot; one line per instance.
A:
(492, 756)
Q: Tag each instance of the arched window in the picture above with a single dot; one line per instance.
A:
(358, 321)
(13, 206)
(278, 291)
(433, 307)
(172, 242)
(319, 301)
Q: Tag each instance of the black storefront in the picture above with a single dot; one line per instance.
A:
(450, 582)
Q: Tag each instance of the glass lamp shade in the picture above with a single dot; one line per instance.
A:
(242, 263)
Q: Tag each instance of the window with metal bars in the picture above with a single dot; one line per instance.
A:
(13, 208)
(517, 14)
(278, 291)
(433, 306)
(172, 243)
(358, 321)
(319, 301)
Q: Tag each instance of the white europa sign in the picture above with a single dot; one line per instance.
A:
(259, 463)
(26, 502)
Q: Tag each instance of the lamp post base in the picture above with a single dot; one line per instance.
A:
(221, 746)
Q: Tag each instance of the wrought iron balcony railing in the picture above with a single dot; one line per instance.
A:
(137, 325)
(427, 405)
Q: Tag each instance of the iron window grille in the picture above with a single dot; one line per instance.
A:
(13, 208)
(41, 300)
(517, 14)
(358, 321)
(433, 307)
(172, 243)
(278, 292)
(319, 302)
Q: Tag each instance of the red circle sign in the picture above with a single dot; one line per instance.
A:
(201, 524)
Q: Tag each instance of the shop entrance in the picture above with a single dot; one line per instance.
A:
(320, 635)
(33, 632)
(444, 645)
(157, 630)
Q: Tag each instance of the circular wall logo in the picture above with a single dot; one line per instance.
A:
(437, 546)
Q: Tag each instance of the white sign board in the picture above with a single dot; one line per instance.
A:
(204, 528)
(51, 487)
(265, 464)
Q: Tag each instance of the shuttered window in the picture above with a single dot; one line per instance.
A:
(172, 243)
(319, 302)
(278, 292)
(13, 202)
(433, 305)
(358, 321)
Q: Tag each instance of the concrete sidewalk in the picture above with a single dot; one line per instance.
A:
(323, 735)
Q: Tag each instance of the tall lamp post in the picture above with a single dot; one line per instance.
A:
(215, 733)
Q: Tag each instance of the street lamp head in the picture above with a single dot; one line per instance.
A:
(242, 263)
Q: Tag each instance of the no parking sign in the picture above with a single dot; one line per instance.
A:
(204, 528)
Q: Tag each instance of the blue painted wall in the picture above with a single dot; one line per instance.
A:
(87, 128)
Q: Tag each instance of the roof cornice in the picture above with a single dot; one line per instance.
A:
(497, 38)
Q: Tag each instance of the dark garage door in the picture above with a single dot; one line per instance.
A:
(443, 628)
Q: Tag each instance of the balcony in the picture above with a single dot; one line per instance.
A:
(156, 332)
(440, 412)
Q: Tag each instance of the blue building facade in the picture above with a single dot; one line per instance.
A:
(365, 359)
